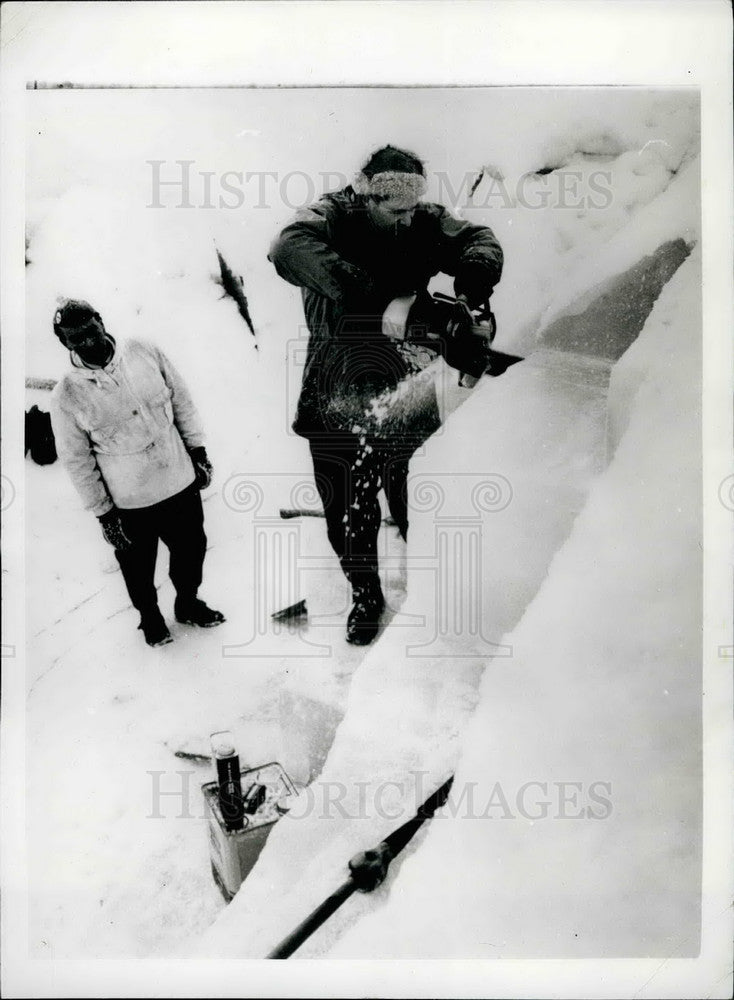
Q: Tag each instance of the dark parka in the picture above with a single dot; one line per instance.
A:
(349, 270)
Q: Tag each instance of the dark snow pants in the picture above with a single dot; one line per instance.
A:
(349, 475)
(179, 523)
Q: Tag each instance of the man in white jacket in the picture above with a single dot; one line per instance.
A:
(129, 435)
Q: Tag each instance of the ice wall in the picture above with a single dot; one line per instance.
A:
(494, 498)
(574, 827)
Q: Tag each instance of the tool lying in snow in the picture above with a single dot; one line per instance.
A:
(298, 610)
(199, 758)
(367, 870)
(286, 512)
(233, 285)
(290, 512)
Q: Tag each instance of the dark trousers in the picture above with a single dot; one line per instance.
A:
(179, 523)
(349, 476)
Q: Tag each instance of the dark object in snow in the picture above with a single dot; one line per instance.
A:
(287, 512)
(233, 853)
(367, 870)
(39, 436)
(293, 611)
(197, 612)
(488, 170)
(234, 286)
(477, 181)
(198, 758)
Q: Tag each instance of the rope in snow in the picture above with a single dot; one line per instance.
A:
(367, 870)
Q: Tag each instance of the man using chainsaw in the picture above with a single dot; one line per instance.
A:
(358, 254)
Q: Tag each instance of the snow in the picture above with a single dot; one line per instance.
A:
(644, 201)
(127, 875)
(656, 348)
(610, 699)
(421, 688)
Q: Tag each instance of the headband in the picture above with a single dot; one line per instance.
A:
(391, 184)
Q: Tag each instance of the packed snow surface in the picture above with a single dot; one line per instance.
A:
(452, 683)
(573, 826)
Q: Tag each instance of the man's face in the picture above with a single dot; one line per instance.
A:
(89, 342)
(392, 212)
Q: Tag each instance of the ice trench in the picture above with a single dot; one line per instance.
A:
(421, 696)
(416, 702)
(577, 348)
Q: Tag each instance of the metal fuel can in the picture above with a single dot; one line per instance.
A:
(234, 851)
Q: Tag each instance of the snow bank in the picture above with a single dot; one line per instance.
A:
(537, 478)
(107, 714)
(615, 192)
(472, 568)
(574, 827)
(657, 350)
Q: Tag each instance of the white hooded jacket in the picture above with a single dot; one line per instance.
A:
(122, 431)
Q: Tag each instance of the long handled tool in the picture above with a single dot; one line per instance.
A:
(366, 871)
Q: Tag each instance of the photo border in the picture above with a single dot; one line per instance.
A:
(545, 43)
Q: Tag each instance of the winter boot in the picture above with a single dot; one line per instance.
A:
(364, 618)
(154, 628)
(193, 611)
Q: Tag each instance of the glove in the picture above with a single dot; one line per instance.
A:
(473, 282)
(113, 531)
(202, 467)
(468, 352)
